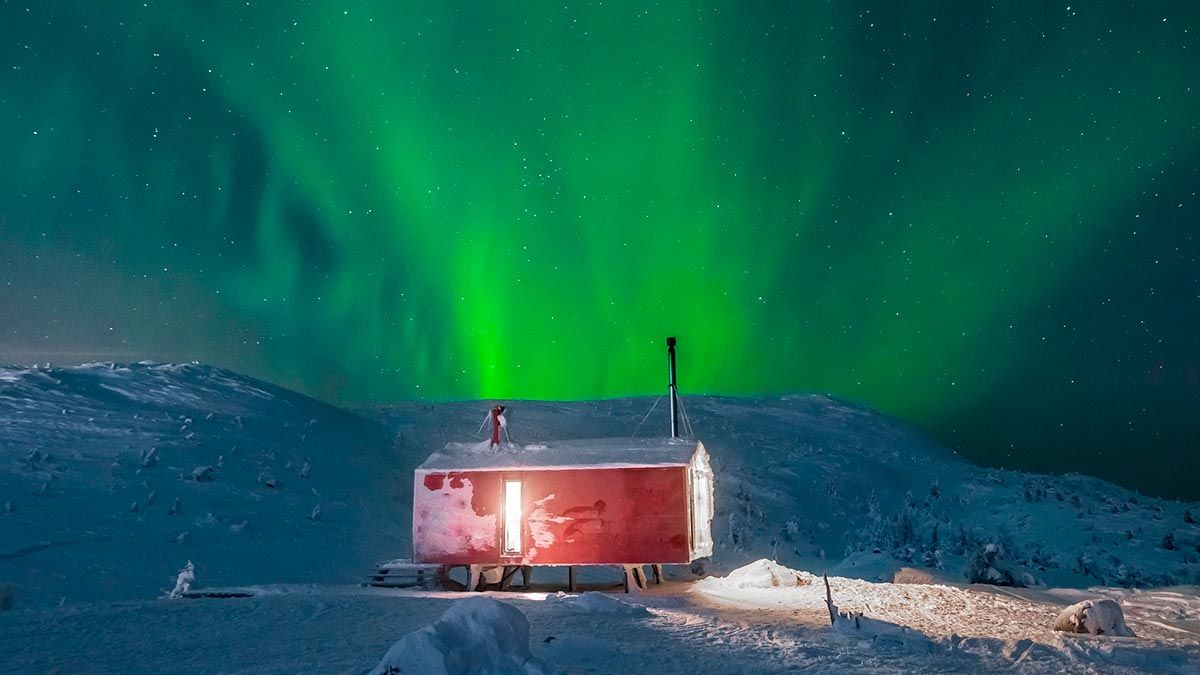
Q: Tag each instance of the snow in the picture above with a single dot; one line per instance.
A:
(594, 453)
(183, 581)
(761, 573)
(1014, 627)
(593, 602)
(73, 441)
(476, 635)
(810, 484)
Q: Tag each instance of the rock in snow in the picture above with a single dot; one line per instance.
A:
(184, 581)
(1101, 616)
(476, 635)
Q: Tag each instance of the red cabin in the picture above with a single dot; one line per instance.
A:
(626, 501)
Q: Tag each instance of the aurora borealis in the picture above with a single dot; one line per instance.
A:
(982, 220)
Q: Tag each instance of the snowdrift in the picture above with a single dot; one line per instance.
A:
(476, 635)
(764, 573)
(1102, 616)
(593, 602)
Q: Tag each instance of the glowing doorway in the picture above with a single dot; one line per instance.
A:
(512, 517)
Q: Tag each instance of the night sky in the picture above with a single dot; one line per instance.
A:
(982, 220)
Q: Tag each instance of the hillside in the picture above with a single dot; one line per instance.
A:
(112, 477)
(94, 458)
(823, 485)
(98, 500)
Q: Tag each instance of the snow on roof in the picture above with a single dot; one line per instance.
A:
(592, 453)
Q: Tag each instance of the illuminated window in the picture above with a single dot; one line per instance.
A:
(512, 516)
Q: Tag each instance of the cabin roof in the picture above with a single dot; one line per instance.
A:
(583, 453)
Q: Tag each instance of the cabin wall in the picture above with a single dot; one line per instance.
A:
(456, 517)
(569, 516)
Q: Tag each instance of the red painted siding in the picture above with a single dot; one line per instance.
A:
(569, 516)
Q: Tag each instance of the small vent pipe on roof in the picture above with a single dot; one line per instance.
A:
(674, 388)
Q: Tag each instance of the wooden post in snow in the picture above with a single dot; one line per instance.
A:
(829, 601)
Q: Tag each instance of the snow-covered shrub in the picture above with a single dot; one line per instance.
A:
(908, 575)
(1086, 566)
(1101, 616)
(202, 473)
(149, 458)
(475, 635)
(736, 532)
(792, 530)
(986, 567)
(1168, 542)
(931, 549)
(184, 580)
(903, 531)
(960, 542)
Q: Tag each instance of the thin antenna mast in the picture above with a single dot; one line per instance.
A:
(673, 387)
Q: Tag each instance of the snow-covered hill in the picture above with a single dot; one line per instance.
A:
(104, 491)
(113, 477)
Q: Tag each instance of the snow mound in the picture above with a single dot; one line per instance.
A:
(592, 602)
(762, 573)
(476, 635)
(1094, 617)
(184, 581)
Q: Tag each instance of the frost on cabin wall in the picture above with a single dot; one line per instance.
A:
(540, 521)
(703, 497)
(444, 521)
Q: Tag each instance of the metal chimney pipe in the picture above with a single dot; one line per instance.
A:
(674, 388)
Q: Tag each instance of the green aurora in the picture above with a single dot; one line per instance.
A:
(981, 220)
